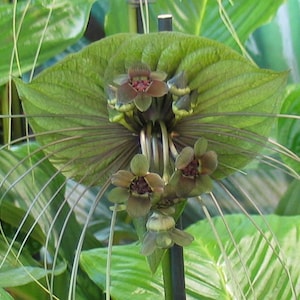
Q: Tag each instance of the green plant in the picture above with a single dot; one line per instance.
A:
(95, 110)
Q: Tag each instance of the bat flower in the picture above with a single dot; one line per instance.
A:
(161, 233)
(193, 167)
(138, 87)
(138, 189)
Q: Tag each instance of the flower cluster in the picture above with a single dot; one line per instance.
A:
(142, 101)
(142, 192)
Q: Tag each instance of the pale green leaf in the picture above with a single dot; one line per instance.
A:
(209, 273)
(288, 129)
(198, 17)
(25, 25)
(5, 295)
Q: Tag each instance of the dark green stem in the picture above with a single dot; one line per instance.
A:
(177, 265)
(167, 275)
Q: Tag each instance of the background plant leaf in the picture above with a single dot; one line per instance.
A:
(44, 199)
(275, 45)
(288, 129)
(289, 203)
(207, 274)
(5, 295)
(199, 17)
(25, 269)
(56, 25)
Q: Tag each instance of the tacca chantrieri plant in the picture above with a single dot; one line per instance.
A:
(160, 116)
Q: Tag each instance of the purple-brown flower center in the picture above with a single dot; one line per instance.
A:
(140, 85)
(140, 186)
(191, 170)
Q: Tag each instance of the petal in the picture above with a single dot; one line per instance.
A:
(185, 186)
(121, 79)
(157, 89)
(184, 158)
(158, 75)
(149, 243)
(159, 222)
(138, 206)
(209, 162)
(139, 70)
(155, 182)
(118, 195)
(203, 184)
(122, 178)
(179, 185)
(139, 165)
(181, 238)
(183, 104)
(125, 93)
(164, 240)
(111, 92)
(200, 147)
(178, 84)
(143, 101)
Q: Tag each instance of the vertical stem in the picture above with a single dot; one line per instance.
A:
(173, 262)
(177, 264)
(132, 18)
(167, 276)
(109, 249)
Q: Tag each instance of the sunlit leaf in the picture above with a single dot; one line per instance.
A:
(275, 45)
(208, 274)
(288, 129)
(26, 24)
(199, 17)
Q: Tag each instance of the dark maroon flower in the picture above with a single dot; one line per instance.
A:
(193, 167)
(139, 86)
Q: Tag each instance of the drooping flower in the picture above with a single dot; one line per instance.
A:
(138, 87)
(193, 167)
(138, 189)
(162, 234)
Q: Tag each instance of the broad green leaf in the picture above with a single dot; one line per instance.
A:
(26, 24)
(24, 269)
(33, 184)
(67, 105)
(209, 273)
(289, 203)
(275, 45)
(198, 17)
(13, 215)
(288, 128)
(5, 295)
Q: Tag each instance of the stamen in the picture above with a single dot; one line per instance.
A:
(139, 185)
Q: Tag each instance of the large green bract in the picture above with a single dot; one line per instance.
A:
(67, 104)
